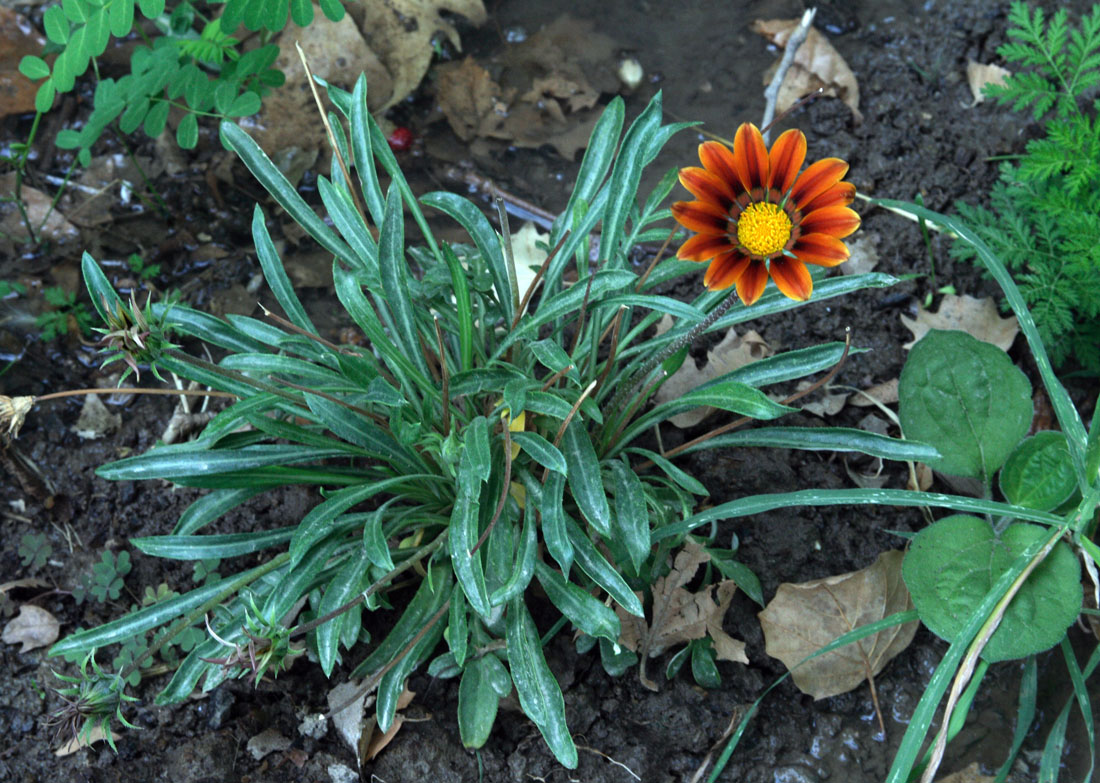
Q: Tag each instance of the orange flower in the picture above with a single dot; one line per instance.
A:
(755, 214)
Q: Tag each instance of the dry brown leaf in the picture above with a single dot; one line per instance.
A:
(18, 38)
(920, 478)
(28, 582)
(732, 353)
(972, 774)
(32, 628)
(977, 317)
(39, 208)
(803, 618)
(288, 126)
(400, 32)
(94, 735)
(863, 256)
(469, 98)
(885, 393)
(816, 65)
(680, 616)
(829, 404)
(978, 75)
(376, 742)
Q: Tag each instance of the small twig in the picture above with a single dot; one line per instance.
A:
(583, 315)
(656, 258)
(299, 330)
(133, 390)
(554, 378)
(331, 135)
(614, 328)
(342, 403)
(771, 93)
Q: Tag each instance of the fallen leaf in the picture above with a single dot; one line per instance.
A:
(28, 582)
(469, 99)
(18, 38)
(288, 127)
(817, 65)
(33, 627)
(977, 317)
(681, 616)
(803, 618)
(400, 32)
(979, 75)
(863, 256)
(378, 742)
(48, 222)
(732, 353)
(920, 478)
(267, 741)
(972, 774)
(529, 251)
(95, 420)
(885, 393)
(829, 404)
(94, 735)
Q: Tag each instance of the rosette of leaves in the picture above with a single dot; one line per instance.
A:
(1044, 213)
(191, 62)
(470, 442)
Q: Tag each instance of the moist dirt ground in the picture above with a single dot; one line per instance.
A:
(920, 134)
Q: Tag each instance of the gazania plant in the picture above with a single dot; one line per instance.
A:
(488, 445)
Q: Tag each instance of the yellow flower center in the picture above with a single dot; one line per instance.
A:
(763, 229)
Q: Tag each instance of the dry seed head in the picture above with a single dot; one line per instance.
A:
(13, 411)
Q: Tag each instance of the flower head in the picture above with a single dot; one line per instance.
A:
(755, 215)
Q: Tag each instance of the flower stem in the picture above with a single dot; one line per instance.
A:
(132, 390)
(685, 339)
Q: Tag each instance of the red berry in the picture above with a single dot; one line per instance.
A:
(400, 139)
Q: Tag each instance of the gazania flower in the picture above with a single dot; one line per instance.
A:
(755, 215)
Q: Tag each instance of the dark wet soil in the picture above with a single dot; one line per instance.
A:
(919, 135)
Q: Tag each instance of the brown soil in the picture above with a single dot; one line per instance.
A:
(919, 135)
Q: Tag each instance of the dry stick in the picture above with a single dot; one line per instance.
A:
(565, 423)
(299, 330)
(656, 259)
(746, 419)
(446, 379)
(771, 93)
(355, 408)
(132, 390)
(503, 490)
(331, 136)
(582, 316)
(556, 376)
(966, 669)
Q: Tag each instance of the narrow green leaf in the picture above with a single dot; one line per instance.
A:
(541, 451)
(353, 229)
(477, 702)
(395, 279)
(630, 523)
(170, 462)
(275, 274)
(625, 177)
(343, 587)
(600, 571)
(463, 534)
(488, 243)
(596, 161)
(209, 508)
(524, 567)
(458, 632)
(282, 191)
(538, 691)
(553, 520)
(824, 439)
(585, 478)
(205, 547)
(584, 610)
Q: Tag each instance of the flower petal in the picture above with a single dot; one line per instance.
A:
(838, 222)
(701, 217)
(718, 160)
(751, 283)
(707, 187)
(703, 247)
(839, 195)
(725, 270)
(820, 249)
(750, 157)
(817, 179)
(792, 278)
(786, 158)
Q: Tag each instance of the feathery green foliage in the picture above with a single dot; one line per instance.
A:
(1044, 215)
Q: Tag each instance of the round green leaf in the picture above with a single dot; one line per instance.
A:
(1039, 473)
(156, 119)
(965, 398)
(43, 99)
(34, 67)
(952, 564)
(187, 134)
(245, 104)
(151, 9)
(56, 24)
